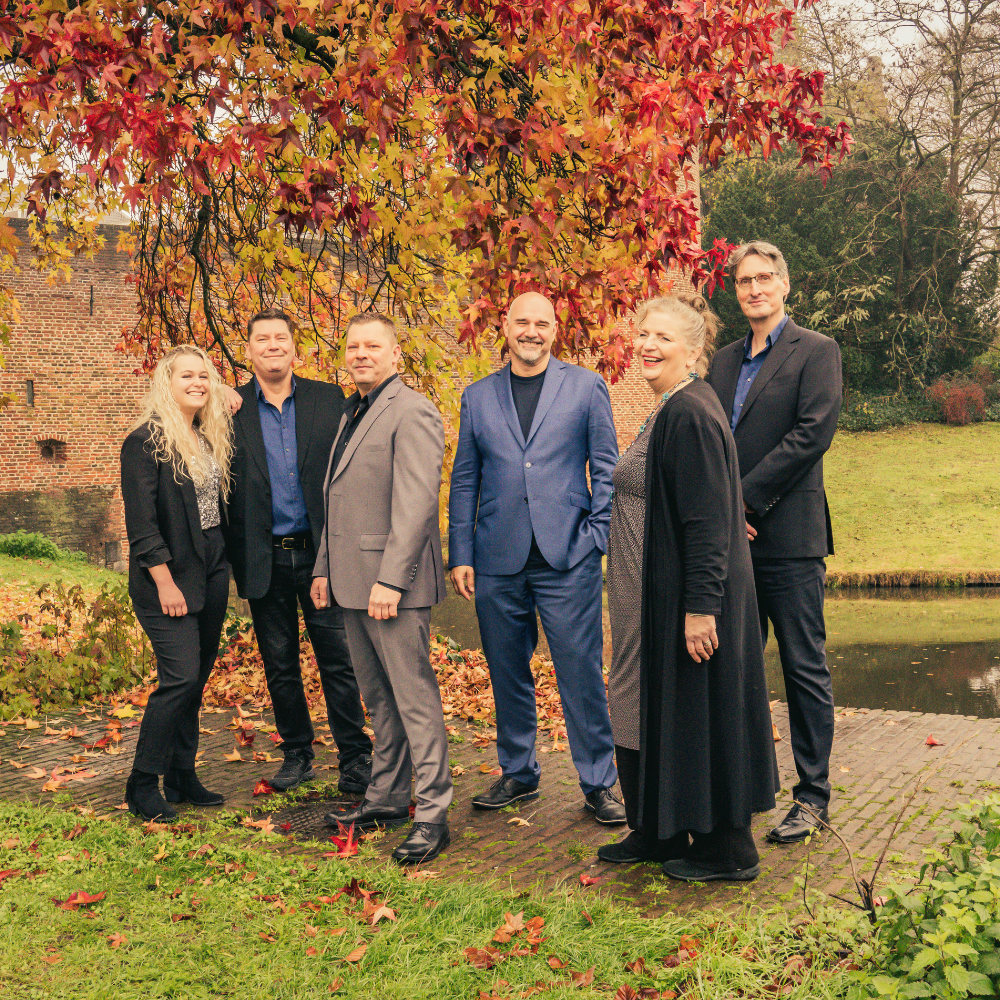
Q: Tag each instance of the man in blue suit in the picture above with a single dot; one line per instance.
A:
(526, 533)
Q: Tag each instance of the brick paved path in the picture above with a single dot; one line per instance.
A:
(878, 758)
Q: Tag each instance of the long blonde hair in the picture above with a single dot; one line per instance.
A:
(168, 428)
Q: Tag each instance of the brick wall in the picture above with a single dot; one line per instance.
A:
(59, 458)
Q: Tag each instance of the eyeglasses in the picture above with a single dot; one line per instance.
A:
(763, 279)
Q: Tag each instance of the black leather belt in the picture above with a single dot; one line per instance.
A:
(291, 541)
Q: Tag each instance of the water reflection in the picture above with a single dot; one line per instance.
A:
(901, 649)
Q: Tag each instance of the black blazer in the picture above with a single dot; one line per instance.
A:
(163, 526)
(318, 408)
(787, 423)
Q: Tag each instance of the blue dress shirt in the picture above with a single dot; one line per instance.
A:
(750, 367)
(288, 506)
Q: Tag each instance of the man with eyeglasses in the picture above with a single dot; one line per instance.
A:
(782, 387)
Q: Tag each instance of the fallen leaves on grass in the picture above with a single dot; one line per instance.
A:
(484, 958)
(264, 825)
(356, 955)
(116, 940)
(346, 843)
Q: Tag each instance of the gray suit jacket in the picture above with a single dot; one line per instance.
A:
(382, 504)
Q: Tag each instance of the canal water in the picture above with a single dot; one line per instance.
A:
(903, 649)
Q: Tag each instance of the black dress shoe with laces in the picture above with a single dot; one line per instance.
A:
(142, 793)
(504, 792)
(798, 824)
(183, 786)
(606, 807)
(356, 776)
(297, 767)
(424, 842)
(366, 817)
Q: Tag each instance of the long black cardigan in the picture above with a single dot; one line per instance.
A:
(707, 751)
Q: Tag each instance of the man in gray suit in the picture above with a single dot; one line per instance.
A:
(380, 553)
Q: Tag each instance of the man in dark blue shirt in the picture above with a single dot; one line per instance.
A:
(284, 430)
(782, 390)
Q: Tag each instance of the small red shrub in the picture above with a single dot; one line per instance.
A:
(960, 400)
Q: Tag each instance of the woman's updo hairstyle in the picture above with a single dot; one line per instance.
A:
(695, 322)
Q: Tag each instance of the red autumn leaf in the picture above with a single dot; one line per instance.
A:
(580, 979)
(9, 873)
(263, 788)
(483, 958)
(77, 899)
(346, 843)
(555, 963)
(244, 738)
(932, 742)
(637, 967)
(283, 826)
(589, 879)
(116, 940)
(274, 737)
(625, 992)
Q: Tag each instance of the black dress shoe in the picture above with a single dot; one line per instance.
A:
(183, 786)
(356, 776)
(366, 817)
(142, 793)
(635, 850)
(607, 809)
(685, 870)
(503, 792)
(424, 842)
(297, 767)
(798, 824)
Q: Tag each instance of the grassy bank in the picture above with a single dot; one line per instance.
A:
(924, 497)
(28, 575)
(222, 911)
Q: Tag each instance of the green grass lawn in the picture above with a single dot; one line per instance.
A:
(925, 497)
(225, 911)
(30, 574)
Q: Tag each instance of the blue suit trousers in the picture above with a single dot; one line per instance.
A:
(569, 605)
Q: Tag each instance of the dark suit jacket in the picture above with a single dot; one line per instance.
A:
(318, 408)
(163, 526)
(787, 423)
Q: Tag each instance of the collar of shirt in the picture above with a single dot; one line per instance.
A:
(259, 392)
(360, 403)
(768, 344)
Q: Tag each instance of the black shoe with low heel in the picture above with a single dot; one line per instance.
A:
(183, 786)
(142, 793)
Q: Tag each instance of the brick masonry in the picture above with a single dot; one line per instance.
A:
(59, 472)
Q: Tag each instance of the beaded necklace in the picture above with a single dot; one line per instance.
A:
(689, 378)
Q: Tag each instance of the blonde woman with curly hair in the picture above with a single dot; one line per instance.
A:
(175, 478)
(686, 687)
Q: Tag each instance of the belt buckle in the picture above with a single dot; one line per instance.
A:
(289, 543)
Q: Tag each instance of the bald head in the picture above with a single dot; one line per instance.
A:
(530, 328)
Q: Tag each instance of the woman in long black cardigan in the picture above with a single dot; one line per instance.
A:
(706, 758)
(175, 467)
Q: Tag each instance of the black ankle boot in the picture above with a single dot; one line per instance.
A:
(142, 793)
(182, 785)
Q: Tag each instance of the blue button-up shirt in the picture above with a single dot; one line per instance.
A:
(288, 506)
(750, 367)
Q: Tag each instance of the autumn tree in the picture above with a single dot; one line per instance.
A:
(430, 157)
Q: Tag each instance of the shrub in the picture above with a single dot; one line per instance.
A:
(110, 655)
(960, 400)
(876, 413)
(34, 545)
(941, 937)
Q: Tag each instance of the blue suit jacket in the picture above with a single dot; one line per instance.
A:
(503, 487)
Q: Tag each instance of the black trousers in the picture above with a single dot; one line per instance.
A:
(276, 622)
(185, 650)
(790, 596)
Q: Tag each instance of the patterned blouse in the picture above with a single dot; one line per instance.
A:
(208, 492)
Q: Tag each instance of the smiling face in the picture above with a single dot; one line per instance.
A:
(762, 299)
(190, 384)
(663, 352)
(530, 328)
(371, 355)
(271, 349)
